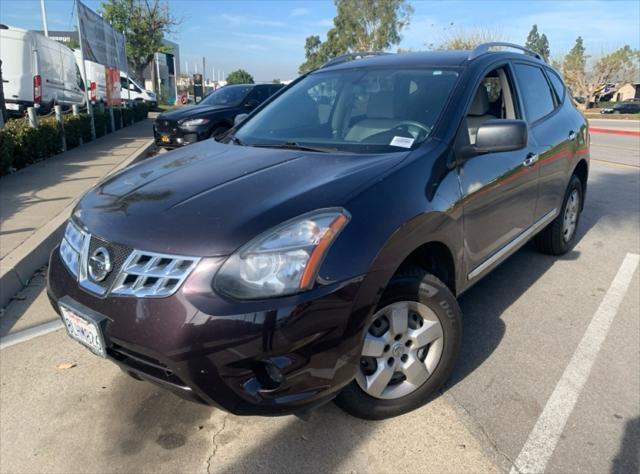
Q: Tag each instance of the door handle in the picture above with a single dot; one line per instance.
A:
(572, 135)
(531, 159)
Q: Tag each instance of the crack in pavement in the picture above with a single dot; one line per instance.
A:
(213, 441)
(479, 426)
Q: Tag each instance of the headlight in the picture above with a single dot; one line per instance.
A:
(193, 122)
(284, 260)
(71, 247)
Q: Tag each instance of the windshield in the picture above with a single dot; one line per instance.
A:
(227, 95)
(361, 111)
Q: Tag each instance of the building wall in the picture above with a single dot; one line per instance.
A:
(626, 92)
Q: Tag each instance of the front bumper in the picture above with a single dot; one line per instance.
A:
(213, 351)
(176, 136)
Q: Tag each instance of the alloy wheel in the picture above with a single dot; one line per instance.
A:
(571, 216)
(401, 350)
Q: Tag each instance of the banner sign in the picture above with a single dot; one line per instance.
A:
(112, 76)
(100, 42)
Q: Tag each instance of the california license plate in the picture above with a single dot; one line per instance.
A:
(165, 139)
(83, 329)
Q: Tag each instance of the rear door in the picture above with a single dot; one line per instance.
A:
(17, 65)
(552, 128)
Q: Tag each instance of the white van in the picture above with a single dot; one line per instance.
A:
(37, 71)
(135, 92)
(97, 80)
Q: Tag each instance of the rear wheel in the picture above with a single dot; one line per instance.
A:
(409, 348)
(560, 235)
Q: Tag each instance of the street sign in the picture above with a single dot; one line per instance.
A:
(198, 90)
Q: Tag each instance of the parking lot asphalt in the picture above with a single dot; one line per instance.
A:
(534, 328)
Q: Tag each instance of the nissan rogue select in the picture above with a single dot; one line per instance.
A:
(315, 252)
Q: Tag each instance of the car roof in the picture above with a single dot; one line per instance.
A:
(451, 58)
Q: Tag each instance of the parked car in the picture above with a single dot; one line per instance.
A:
(318, 250)
(212, 116)
(96, 81)
(627, 107)
(37, 72)
(131, 90)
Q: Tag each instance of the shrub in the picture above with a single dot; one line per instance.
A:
(31, 144)
(117, 116)
(77, 127)
(7, 147)
(140, 111)
(127, 116)
(100, 119)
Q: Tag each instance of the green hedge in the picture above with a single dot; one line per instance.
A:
(21, 145)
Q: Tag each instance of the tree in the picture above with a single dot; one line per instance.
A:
(144, 23)
(538, 43)
(239, 76)
(466, 39)
(574, 69)
(359, 26)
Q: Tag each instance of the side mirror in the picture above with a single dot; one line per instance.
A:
(239, 119)
(498, 135)
(252, 104)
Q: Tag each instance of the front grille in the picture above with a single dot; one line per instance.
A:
(148, 274)
(118, 254)
(166, 126)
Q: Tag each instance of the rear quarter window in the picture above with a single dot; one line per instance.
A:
(534, 90)
(557, 84)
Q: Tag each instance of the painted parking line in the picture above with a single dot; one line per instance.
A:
(544, 437)
(28, 334)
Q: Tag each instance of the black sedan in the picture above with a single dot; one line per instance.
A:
(630, 107)
(212, 117)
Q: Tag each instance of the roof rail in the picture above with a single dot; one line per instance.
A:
(351, 57)
(484, 48)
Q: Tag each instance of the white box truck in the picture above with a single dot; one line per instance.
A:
(37, 72)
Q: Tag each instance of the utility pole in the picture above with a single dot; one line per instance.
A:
(44, 18)
(204, 70)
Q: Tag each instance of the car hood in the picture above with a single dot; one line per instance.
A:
(189, 111)
(208, 199)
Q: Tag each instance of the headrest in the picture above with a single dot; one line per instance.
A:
(380, 105)
(480, 104)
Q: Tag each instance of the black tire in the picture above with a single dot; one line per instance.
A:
(412, 284)
(219, 130)
(551, 240)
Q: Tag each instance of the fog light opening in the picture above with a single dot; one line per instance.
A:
(269, 376)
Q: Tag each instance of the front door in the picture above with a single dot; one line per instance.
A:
(499, 190)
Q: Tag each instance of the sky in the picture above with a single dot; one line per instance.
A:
(266, 38)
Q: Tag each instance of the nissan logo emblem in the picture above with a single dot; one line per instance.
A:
(99, 264)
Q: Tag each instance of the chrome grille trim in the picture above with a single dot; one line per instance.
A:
(152, 275)
(143, 274)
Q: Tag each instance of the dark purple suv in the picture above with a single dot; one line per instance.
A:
(316, 251)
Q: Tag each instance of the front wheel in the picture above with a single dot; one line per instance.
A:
(409, 348)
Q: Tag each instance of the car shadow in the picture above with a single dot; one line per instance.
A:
(628, 457)
(484, 304)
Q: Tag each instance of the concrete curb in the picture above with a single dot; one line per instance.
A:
(17, 268)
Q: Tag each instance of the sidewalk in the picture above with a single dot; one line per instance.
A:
(36, 201)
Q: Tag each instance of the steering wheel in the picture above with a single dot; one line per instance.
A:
(407, 125)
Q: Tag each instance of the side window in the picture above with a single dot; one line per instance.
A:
(259, 93)
(123, 83)
(557, 84)
(535, 92)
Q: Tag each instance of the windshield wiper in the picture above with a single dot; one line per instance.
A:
(235, 140)
(294, 146)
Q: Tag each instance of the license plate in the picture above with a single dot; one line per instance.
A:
(165, 139)
(83, 330)
(12, 106)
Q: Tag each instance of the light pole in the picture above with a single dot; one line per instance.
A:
(44, 18)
